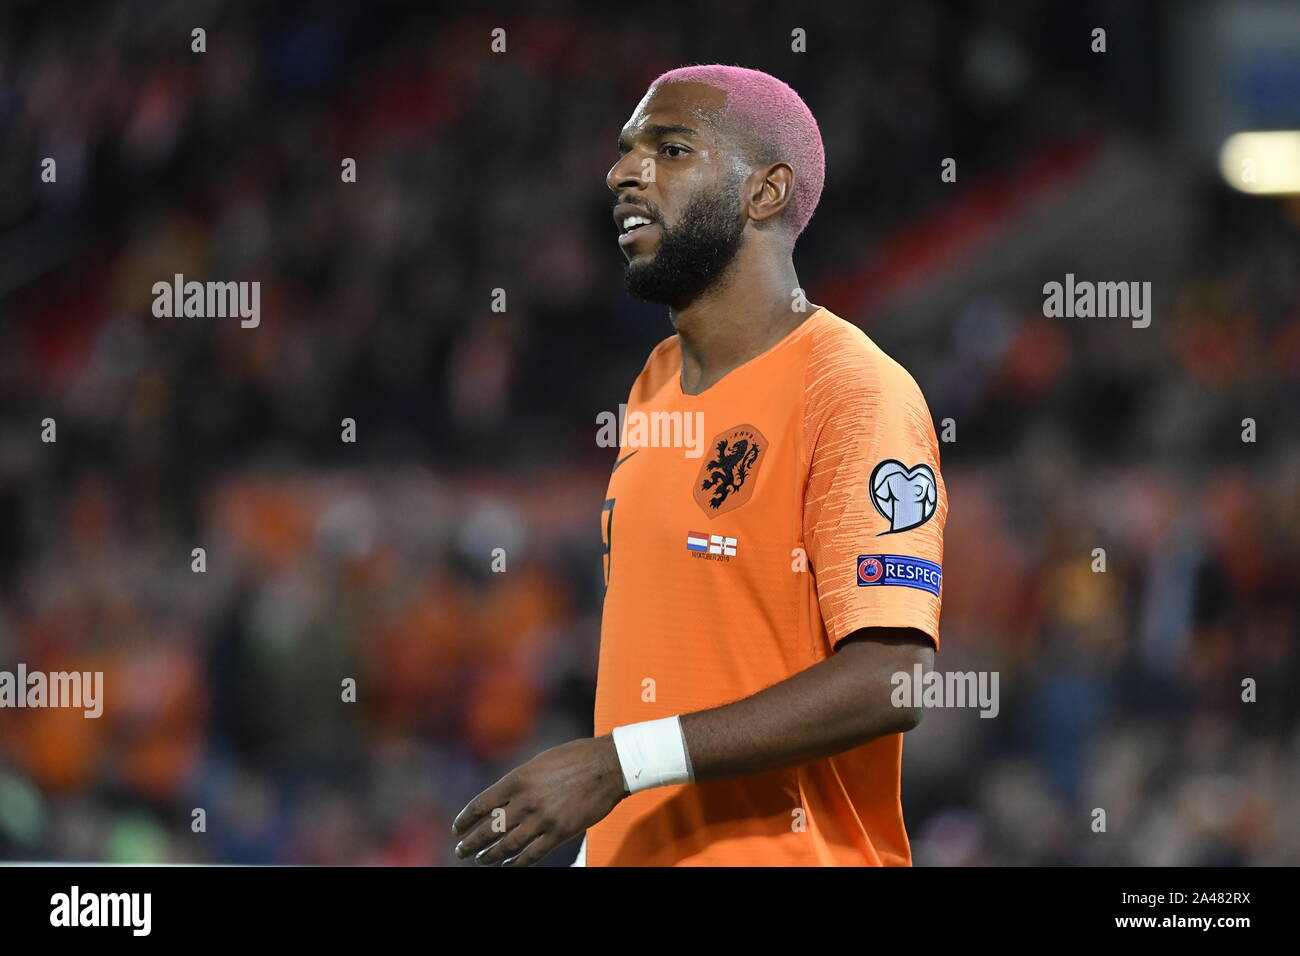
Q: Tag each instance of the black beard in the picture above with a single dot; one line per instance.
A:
(694, 254)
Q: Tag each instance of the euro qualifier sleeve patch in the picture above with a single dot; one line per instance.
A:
(881, 569)
(905, 497)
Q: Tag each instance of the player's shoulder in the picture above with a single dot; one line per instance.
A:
(843, 359)
(668, 348)
(661, 364)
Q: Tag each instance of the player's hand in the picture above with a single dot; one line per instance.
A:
(550, 799)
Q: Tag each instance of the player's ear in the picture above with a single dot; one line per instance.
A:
(772, 188)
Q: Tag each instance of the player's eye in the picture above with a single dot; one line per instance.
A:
(681, 150)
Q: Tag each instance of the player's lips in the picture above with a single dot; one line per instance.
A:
(633, 222)
(631, 236)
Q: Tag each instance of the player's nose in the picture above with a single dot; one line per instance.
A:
(623, 174)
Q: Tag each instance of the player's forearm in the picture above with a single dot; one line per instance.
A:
(831, 707)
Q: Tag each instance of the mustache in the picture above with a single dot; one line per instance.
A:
(650, 211)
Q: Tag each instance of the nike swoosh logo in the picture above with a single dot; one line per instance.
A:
(621, 460)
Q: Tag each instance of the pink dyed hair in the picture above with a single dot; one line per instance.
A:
(778, 123)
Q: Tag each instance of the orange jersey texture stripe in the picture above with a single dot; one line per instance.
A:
(748, 530)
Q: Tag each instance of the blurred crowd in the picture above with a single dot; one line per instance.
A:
(347, 669)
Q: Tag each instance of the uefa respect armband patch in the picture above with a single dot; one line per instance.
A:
(882, 569)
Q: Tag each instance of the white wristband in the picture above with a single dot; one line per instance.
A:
(652, 754)
(581, 859)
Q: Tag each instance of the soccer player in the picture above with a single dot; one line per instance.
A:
(759, 597)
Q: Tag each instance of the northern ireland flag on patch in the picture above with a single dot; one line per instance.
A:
(696, 541)
(719, 544)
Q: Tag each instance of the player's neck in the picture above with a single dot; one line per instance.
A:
(746, 314)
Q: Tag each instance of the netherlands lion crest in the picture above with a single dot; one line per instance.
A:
(726, 479)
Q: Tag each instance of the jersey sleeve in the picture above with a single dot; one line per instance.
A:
(875, 503)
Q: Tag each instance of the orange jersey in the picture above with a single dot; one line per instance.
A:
(807, 504)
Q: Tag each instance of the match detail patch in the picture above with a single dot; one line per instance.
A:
(711, 544)
(878, 569)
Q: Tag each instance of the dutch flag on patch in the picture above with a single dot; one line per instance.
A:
(696, 541)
